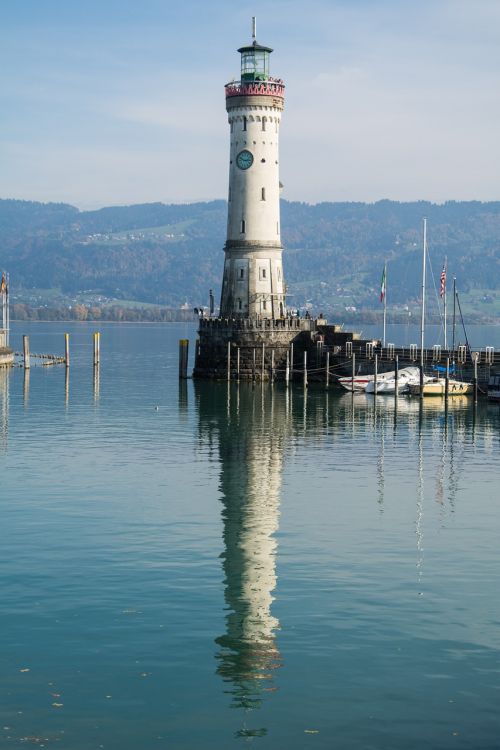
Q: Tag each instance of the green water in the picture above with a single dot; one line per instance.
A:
(206, 566)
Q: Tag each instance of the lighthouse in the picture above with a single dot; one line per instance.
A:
(253, 285)
(253, 337)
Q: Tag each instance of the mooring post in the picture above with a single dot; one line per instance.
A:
(272, 365)
(26, 352)
(475, 356)
(447, 379)
(229, 360)
(396, 376)
(327, 373)
(375, 376)
(183, 358)
(238, 364)
(305, 369)
(97, 348)
(353, 371)
(263, 362)
(66, 349)
(287, 368)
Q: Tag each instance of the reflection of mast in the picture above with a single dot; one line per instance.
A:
(251, 426)
(420, 501)
(4, 407)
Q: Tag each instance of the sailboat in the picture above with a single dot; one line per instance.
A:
(434, 386)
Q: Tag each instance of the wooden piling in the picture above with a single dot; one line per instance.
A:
(229, 360)
(26, 352)
(327, 373)
(475, 357)
(305, 369)
(66, 349)
(396, 378)
(97, 348)
(183, 358)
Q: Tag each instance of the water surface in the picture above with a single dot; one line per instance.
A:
(209, 565)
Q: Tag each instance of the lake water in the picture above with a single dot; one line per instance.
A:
(241, 564)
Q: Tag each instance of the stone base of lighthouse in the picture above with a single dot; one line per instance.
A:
(257, 349)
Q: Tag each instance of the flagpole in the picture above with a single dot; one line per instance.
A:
(7, 306)
(4, 307)
(385, 303)
(444, 299)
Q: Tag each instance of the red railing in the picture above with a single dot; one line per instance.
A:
(271, 87)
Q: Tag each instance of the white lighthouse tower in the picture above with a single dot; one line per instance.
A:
(253, 285)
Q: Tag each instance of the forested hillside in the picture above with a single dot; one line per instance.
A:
(170, 254)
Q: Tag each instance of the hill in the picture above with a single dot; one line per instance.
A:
(167, 254)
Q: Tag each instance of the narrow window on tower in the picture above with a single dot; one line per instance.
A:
(232, 126)
(264, 305)
(244, 123)
(242, 273)
(239, 304)
(263, 194)
(263, 273)
(264, 120)
(243, 226)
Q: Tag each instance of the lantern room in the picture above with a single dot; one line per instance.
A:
(254, 62)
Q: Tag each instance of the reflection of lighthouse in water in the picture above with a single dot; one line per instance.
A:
(4, 407)
(251, 431)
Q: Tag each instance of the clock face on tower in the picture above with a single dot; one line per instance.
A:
(244, 160)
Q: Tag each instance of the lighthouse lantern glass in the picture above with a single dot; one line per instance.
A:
(254, 65)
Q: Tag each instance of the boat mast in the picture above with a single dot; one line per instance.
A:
(454, 314)
(422, 320)
(385, 302)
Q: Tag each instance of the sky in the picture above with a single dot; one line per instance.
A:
(111, 103)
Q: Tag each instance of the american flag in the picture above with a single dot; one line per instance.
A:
(442, 289)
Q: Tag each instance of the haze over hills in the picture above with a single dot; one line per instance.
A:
(169, 254)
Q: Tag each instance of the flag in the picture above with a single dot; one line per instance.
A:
(3, 284)
(442, 288)
(382, 286)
